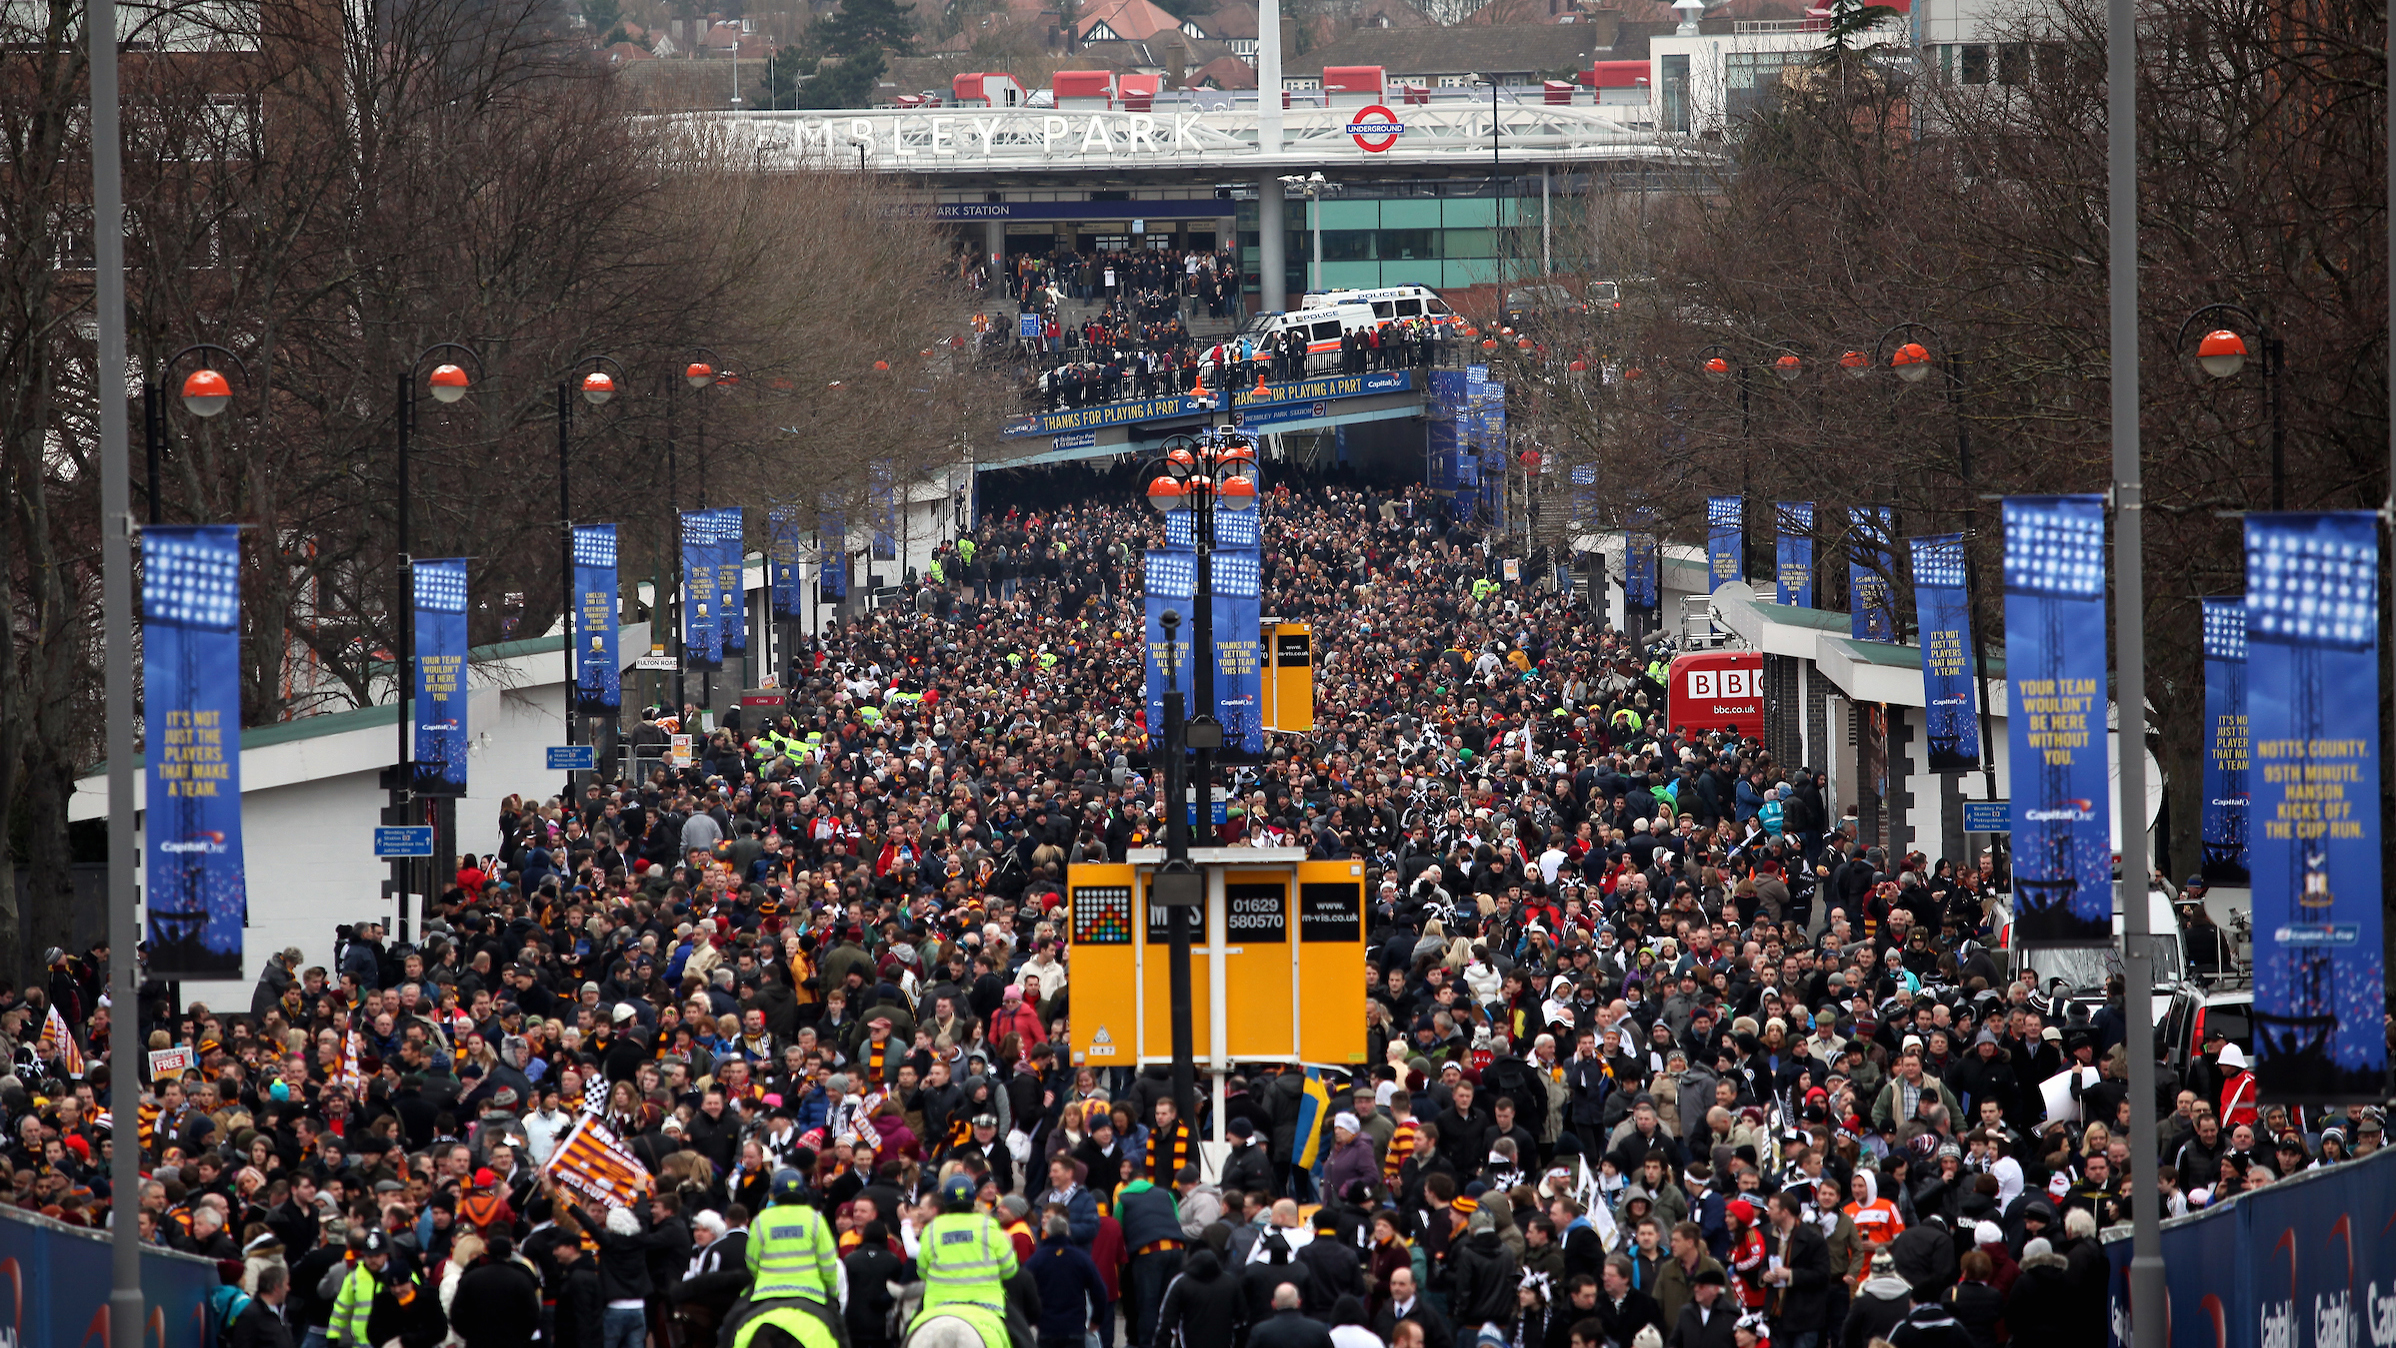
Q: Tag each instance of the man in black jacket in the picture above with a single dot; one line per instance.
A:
(1799, 1278)
(1624, 1310)
(1288, 1328)
(1707, 1320)
(261, 1323)
(1463, 1131)
(498, 1301)
(1329, 1267)
(1406, 1302)
(1485, 1277)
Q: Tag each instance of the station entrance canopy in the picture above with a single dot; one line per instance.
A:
(995, 144)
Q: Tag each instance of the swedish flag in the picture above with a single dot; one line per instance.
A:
(1314, 1110)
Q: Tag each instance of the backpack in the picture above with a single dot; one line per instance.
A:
(225, 1305)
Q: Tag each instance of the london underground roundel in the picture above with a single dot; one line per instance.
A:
(1376, 128)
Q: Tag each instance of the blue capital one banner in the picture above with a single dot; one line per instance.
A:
(1239, 699)
(832, 553)
(1171, 577)
(598, 672)
(1584, 497)
(1943, 613)
(1639, 561)
(2055, 720)
(1725, 540)
(440, 752)
(2312, 654)
(1871, 603)
(731, 583)
(883, 506)
(196, 896)
(2222, 839)
(702, 638)
(782, 553)
(1793, 553)
(2308, 1261)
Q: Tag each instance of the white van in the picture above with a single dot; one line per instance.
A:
(1323, 327)
(1388, 302)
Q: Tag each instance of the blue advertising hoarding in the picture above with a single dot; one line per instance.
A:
(1238, 642)
(1639, 573)
(2308, 1261)
(731, 583)
(2223, 838)
(1171, 577)
(832, 553)
(2312, 653)
(1943, 614)
(441, 735)
(1441, 434)
(1871, 601)
(782, 553)
(1793, 553)
(2055, 676)
(196, 893)
(598, 671)
(1725, 541)
(882, 502)
(702, 639)
(1233, 529)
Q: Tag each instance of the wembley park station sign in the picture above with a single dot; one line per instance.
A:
(964, 139)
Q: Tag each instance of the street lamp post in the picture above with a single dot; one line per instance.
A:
(597, 387)
(698, 374)
(1911, 360)
(205, 393)
(1313, 185)
(448, 383)
(1496, 189)
(1200, 477)
(2221, 354)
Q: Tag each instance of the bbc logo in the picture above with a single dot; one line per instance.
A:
(1722, 683)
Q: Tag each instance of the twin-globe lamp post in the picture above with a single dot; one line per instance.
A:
(1201, 477)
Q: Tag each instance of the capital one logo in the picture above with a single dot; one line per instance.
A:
(1722, 683)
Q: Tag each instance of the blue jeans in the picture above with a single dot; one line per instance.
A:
(315, 1338)
(1811, 1338)
(625, 1327)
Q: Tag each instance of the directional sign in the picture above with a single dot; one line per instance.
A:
(664, 662)
(411, 840)
(1027, 325)
(1988, 816)
(573, 757)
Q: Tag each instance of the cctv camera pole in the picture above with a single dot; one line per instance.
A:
(1175, 882)
(2147, 1291)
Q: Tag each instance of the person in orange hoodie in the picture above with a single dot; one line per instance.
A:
(1876, 1218)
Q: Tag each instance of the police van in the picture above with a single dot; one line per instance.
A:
(1323, 325)
(1388, 303)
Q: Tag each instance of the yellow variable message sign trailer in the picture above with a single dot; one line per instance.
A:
(1102, 905)
(1276, 971)
(1330, 903)
(1288, 677)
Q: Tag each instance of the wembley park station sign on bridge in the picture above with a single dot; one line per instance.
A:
(966, 140)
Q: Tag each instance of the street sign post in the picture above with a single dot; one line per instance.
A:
(1988, 816)
(404, 840)
(573, 758)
